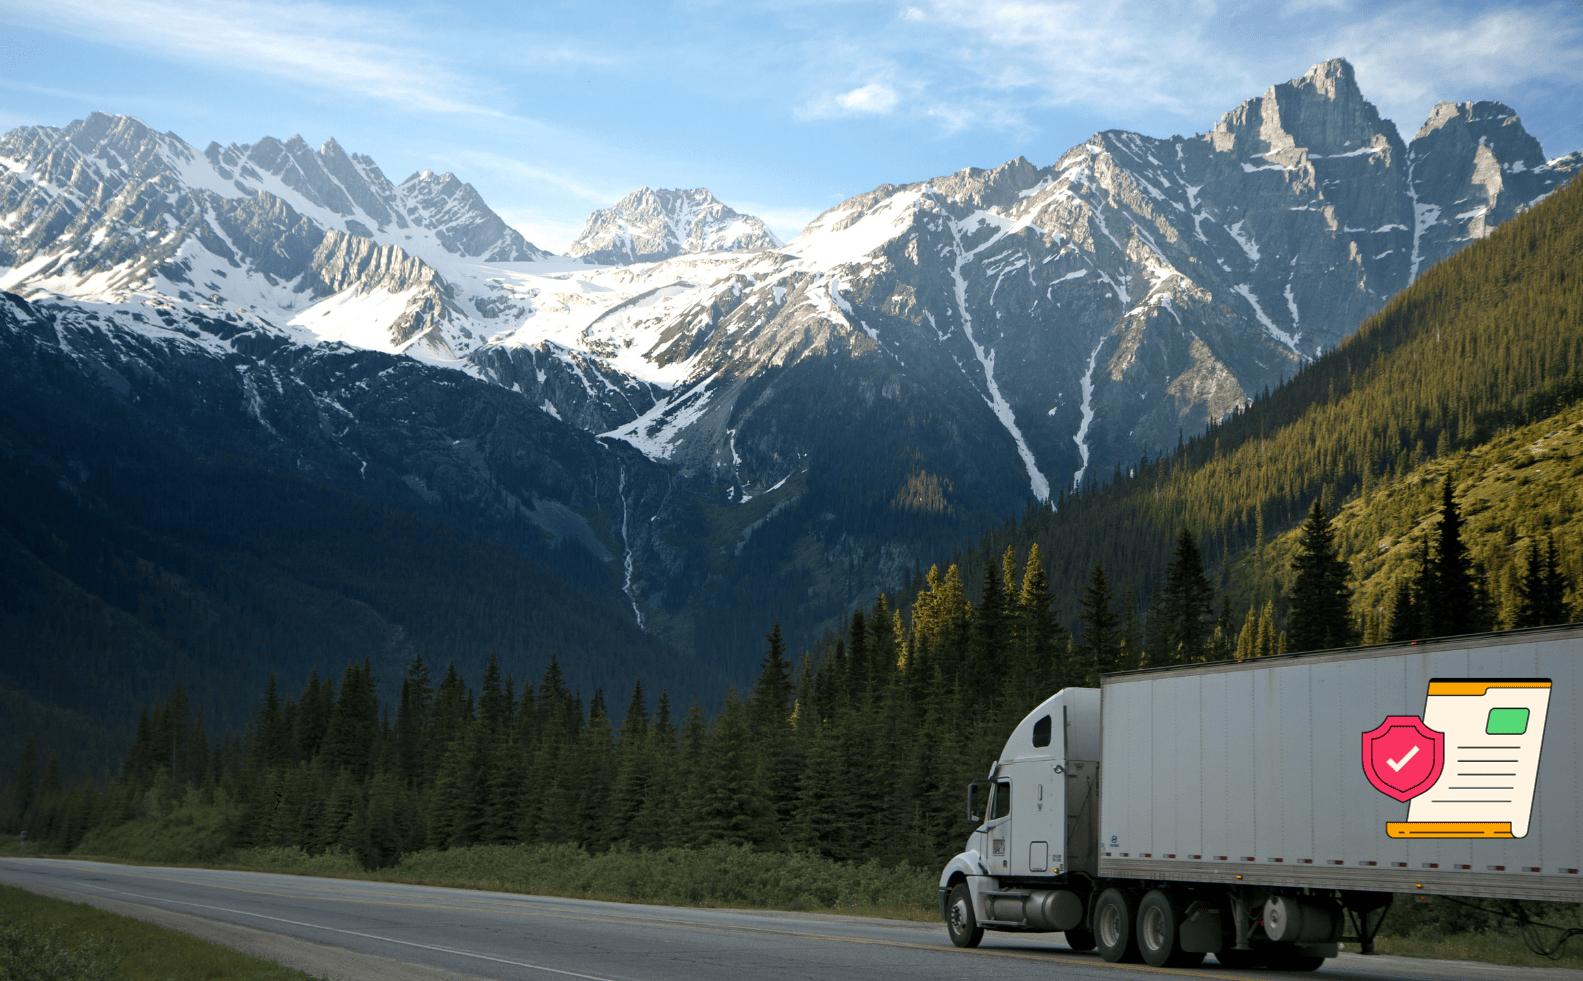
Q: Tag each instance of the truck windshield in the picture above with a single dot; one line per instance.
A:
(1001, 805)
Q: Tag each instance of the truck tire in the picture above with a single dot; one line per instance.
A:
(1115, 916)
(960, 921)
(1159, 943)
(1080, 939)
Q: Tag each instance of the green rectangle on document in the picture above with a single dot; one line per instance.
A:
(1507, 722)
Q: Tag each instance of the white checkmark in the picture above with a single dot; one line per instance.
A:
(1398, 766)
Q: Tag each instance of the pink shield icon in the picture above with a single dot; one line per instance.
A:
(1403, 757)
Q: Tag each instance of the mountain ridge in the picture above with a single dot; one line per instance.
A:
(791, 428)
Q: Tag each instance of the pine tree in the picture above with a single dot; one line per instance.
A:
(1269, 639)
(855, 685)
(26, 780)
(1041, 639)
(354, 723)
(1132, 651)
(272, 733)
(1248, 638)
(1100, 650)
(1320, 614)
(1542, 589)
(1409, 601)
(1187, 605)
(1454, 604)
(772, 692)
(732, 805)
(313, 715)
(882, 639)
(413, 721)
(778, 758)
(494, 699)
(990, 633)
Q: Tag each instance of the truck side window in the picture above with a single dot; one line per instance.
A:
(1001, 806)
(1041, 732)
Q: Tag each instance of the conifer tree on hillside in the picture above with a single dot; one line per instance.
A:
(26, 785)
(354, 722)
(1409, 601)
(857, 661)
(1542, 589)
(271, 733)
(1186, 608)
(991, 631)
(1456, 605)
(1100, 650)
(1320, 615)
(1042, 644)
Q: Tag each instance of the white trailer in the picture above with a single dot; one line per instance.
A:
(1259, 810)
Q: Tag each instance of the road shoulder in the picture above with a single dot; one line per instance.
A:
(318, 959)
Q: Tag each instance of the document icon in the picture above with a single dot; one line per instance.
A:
(1469, 766)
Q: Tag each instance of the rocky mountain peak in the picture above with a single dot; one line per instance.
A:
(1323, 113)
(998, 187)
(649, 225)
(1492, 124)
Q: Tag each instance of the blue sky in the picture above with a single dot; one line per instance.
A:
(782, 108)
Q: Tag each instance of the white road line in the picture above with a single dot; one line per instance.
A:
(366, 936)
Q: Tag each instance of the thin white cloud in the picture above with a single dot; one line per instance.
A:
(1407, 61)
(1301, 6)
(327, 47)
(515, 170)
(995, 64)
(875, 98)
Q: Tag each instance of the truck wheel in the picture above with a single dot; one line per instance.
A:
(1159, 919)
(960, 922)
(1080, 939)
(1114, 917)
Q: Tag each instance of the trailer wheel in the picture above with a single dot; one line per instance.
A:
(960, 922)
(1115, 915)
(1080, 939)
(1159, 920)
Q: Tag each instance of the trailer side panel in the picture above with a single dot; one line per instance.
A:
(1259, 772)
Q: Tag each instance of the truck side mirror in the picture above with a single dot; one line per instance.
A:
(975, 809)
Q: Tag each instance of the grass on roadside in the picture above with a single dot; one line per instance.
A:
(52, 940)
(717, 876)
(1488, 948)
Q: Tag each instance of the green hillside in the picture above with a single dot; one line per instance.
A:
(1519, 491)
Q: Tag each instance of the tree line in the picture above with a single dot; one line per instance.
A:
(859, 750)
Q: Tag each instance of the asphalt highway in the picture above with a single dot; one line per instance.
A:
(374, 928)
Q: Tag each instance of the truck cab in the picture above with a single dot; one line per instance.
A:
(1031, 862)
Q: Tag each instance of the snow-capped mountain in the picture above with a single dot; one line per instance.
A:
(795, 423)
(1073, 317)
(650, 225)
(107, 207)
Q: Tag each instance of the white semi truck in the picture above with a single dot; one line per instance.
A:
(1259, 810)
